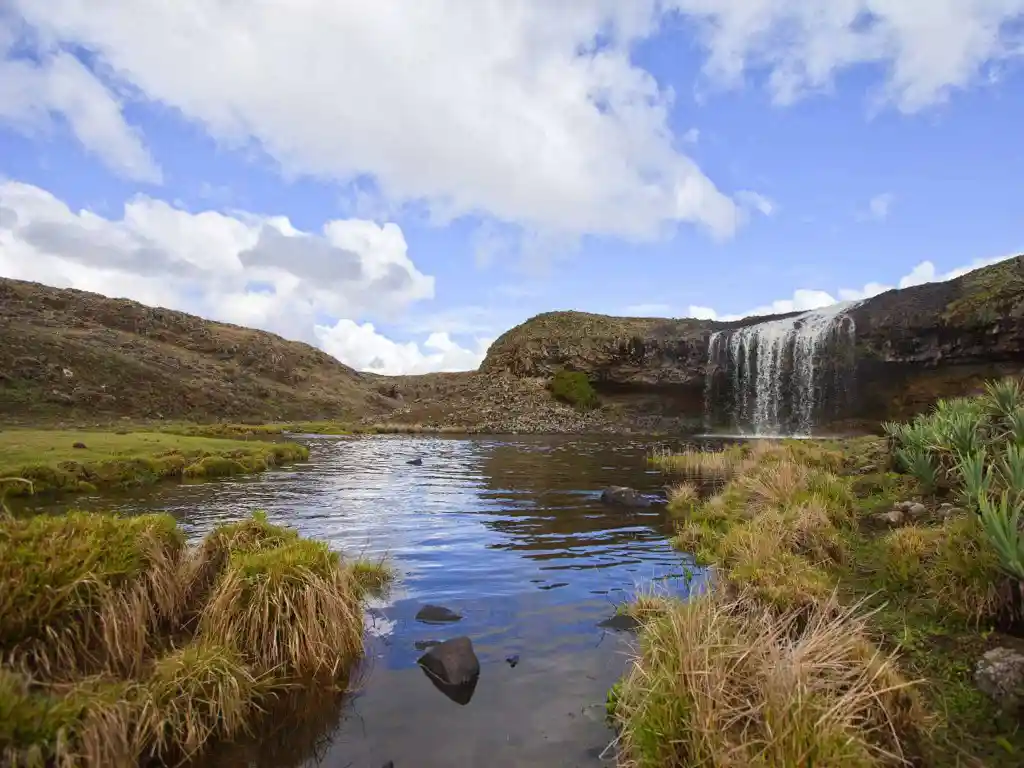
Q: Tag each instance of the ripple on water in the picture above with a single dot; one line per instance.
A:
(510, 533)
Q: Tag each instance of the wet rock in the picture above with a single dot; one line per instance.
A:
(625, 497)
(422, 645)
(622, 622)
(415, 462)
(999, 674)
(453, 668)
(79, 445)
(437, 614)
(513, 660)
(893, 517)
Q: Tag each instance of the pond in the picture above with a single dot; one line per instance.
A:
(507, 532)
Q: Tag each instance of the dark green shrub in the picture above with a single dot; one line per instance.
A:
(574, 388)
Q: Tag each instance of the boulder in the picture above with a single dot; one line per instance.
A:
(918, 510)
(894, 517)
(453, 668)
(619, 495)
(999, 674)
(437, 614)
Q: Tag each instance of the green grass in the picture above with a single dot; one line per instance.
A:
(50, 460)
(574, 388)
(119, 645)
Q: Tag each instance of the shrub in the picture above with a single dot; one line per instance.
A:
(574, 388)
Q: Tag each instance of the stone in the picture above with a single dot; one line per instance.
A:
(999, 674)
(453, 668)
(905, 506)
(625, 497)
(415, 462)
(867, 469)
(513, 660)
(437, 614)
(918, 510)
(893, 517)
(422, 645)
(621, 622)
(79, 445)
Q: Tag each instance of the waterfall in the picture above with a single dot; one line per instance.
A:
(777, 377)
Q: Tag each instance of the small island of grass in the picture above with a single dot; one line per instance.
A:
(57, 461)
(120, 645)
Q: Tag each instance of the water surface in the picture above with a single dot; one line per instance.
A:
(508, 532)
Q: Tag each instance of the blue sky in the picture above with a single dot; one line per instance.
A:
(399, 183)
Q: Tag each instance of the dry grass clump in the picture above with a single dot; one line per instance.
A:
(102, 663)
(90, 723)
(696, 462)
(719, 682)
(82, 593)
(294, 609)
(198, 693)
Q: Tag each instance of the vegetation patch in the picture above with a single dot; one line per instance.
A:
(574, 388)
(845, 571)
(120, 645)
(63, 461)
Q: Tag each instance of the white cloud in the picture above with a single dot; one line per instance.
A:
(257, 271)
(692, 136)
(879, 205)
(755, 200)
(32, 92)
(527, 110)
(805, 299)
(927, 47)
(362, 347)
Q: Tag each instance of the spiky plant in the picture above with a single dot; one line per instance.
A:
(1004, 397)
(961, 433)
(976, 478)
(1015, 426)
(919, 463)
(1001, 521)
(1011, 471)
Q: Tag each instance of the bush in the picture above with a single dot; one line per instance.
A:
(574, 388)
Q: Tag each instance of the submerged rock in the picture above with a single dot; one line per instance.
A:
(626, 497)
(453, 668)
(422, 645)
(415, 462)
(622, 622)
(999, 674)
(437, 614)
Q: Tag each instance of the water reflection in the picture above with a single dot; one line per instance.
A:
(510, 534)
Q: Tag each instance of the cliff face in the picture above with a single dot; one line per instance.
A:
(67, 354)
(912, 346)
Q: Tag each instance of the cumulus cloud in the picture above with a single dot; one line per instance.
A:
(33, 92)
(928, 48)
(257, 271)
(805, 299)
(362, 347)
(756, 201)
(529, 111)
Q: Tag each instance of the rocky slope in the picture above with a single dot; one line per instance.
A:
(72, 355)
(81, 357)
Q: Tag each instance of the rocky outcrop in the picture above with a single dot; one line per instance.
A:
(913, 346)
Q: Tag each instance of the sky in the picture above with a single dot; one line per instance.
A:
(400, 182)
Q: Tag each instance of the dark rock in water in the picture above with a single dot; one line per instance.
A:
(513, 660)
(453, 668)
(622, 622)
(422, 645)
(415, 462)
(78, 445)
(437, 614)
(624, 497)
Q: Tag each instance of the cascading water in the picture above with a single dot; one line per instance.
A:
(775, 377)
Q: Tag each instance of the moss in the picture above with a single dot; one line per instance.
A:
(988, 295)
(574, 388)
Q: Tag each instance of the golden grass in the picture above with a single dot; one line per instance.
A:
(197, 694)
(291, 610)
(51, 461)
(721, 682)
(104, 662)
(83, 592)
